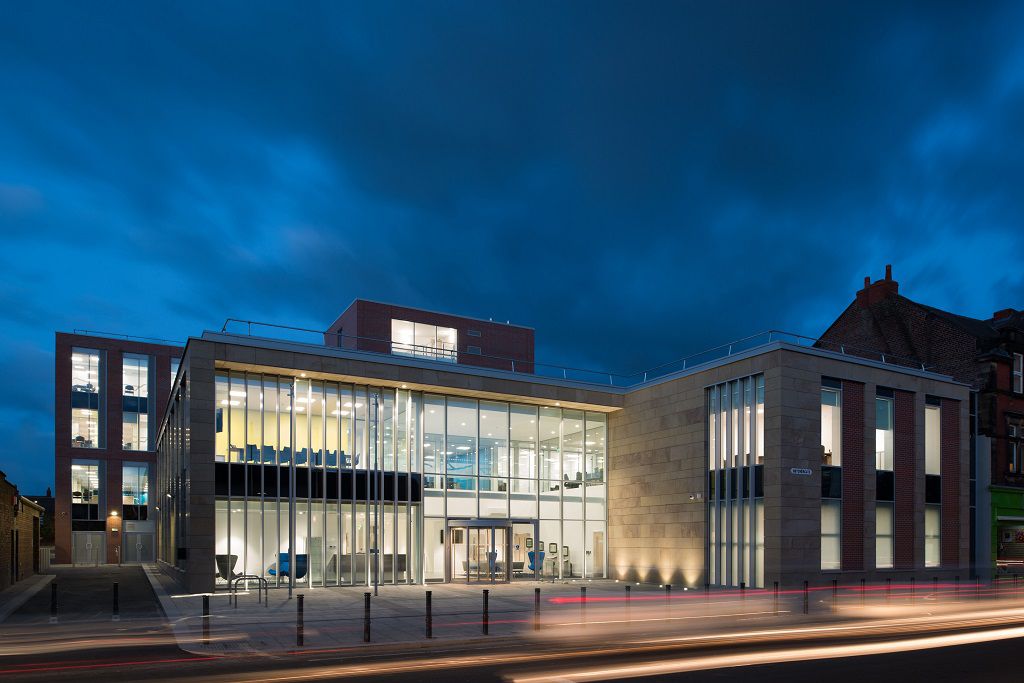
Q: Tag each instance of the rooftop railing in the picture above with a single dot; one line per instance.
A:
(446, 357)
(129, 337)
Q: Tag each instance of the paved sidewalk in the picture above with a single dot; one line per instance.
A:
(333, 617)
(13, 597)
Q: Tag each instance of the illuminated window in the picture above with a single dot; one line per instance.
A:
(831, 428)
(831, 516)
(85, 489)
(134, 490)
(135, 375)
(884, 439)
(1015, 445)
(932, 518)
(423, 341)
(884, 535)
(86, 399)
(932, 439)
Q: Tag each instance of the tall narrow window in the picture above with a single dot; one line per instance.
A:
(1018, 373)
(85, 489)
(884, 532)
(932, 438)
(135, 490)
(884, 438)
(932, 517)
(135, 402)
(86, 395)
(831, 516)
(831, 426)
(175, 364)
(1015, 445)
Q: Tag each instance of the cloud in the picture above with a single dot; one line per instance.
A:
(635, 182)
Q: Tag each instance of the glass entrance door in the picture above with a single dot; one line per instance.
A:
(479, 554)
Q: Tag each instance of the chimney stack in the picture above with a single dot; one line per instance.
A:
(879, 290)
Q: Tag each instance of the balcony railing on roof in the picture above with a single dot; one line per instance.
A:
(310, 337)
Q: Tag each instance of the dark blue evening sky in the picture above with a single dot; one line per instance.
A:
(636, 180)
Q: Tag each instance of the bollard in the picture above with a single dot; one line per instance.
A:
(485, 618)
(888, 590)
(806, 598)
(53, 602)
(707, 592)
(862, 589)
(299, 625)
(668, 599)
(536, 609)
(366, 617)
(775, 592)
(430, 618)
(206, 619)
(116, 610)
(583, 605)
(835, 595)
(628, 589)
(743, 590)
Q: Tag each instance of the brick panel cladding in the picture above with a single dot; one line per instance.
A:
(905, 475)
(950, 467)
(853, 477)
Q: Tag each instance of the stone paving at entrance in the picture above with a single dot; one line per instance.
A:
(333, 617)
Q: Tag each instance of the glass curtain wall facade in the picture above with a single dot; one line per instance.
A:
(735, 482)
(331, 446)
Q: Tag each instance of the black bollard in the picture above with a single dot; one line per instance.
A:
(485, 621)
(775, 592)
(628, 589)
(430, 618)
(299, 625)
(583, 605)
(53, 602)
(366, 617)
(536, 609)
(116, 612)
(743, 590)
(206, 619)
(668, 599)
(806, 599)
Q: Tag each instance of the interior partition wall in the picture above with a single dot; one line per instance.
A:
(735, 438)
(313, 476)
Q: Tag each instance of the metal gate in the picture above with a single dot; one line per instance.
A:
(138, 547)
(88, 547)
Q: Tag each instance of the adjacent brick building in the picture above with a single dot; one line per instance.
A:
(384, 328)
(19, 535)
(986, 354)
(110, 394)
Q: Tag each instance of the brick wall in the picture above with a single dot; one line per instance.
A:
(22, 522)
(950, 467)
(905, 474)
(853, 476)
(899, 327)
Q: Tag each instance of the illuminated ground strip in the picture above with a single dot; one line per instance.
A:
(777, 657)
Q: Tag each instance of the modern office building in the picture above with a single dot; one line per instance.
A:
(110, 395)
(321, 464)
(987, 355)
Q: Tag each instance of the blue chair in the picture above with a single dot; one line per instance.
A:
(284, 566)
(540, 560)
